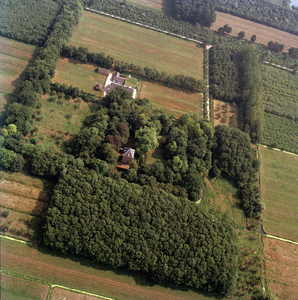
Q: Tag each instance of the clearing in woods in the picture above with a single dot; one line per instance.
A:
(140, 46)
(175, 100)
(225, 113)
(279, 182)
(264, 33)
(281, 268)
(59, 119)
(77, 74)
(223, 195)
(84, 275)
(14, 57)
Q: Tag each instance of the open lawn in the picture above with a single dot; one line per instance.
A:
(174, 100)
(86, 276)
(223, 195)
(75, 73)
(264, 33)
(19, 288)
(225, 113)
(141, 46)
(279, 181)
(281, 268)
(14, 57)
(59, 120)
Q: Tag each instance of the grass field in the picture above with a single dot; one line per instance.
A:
(19, 288)
(224, 196)
(84, 275)
(174, 100)
(279, 181)
(134, 44)
(264, 33)
(59, 121)
(75, 73)
(281, 268)
(14, 57)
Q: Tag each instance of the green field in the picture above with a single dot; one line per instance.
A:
(74, 73)
(58, 120)
(14, 57)
(41, 265)
(140, 46)
(176, 101)
(279, 181)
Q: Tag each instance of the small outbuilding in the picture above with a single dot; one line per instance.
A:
(126, 158)
(103, 71)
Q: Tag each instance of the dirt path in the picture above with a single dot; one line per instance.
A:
(127, 288)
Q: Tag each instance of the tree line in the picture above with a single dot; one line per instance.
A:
(82, 54)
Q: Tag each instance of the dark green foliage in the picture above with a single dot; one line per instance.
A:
(199, 11)
(253, 38)
(275, 46)
(108, 154)
(241, 35)
(233, 157)
(27, 21)
(125, 225)
(293, 52)
(251, 102)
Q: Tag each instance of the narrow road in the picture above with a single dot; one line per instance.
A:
(208, 93)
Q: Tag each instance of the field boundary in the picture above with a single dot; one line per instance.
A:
(268, 147)
(143, 25)
(15, 240)
(278, 66)
(281, 239)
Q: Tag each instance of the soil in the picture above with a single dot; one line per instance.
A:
(264, 33)
(282, 268)
(226, 118)
(58, 293)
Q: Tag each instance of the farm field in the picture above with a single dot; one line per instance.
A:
(281, 268)
(153, 4)
(134, 44)
(279, 179)
(59, 120)
(14, 57)
(59, 293)
(176, 101)
(264, 33)
(225, 113)
(77, 74)
(86, 276)
(19, 288)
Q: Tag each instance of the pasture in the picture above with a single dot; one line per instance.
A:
(175, 100)
(281, 268)
(264, 33)
(59, 119)
(19, 288)
(77, 74)
(152, 4)
(279, 180)
(14, 57)
(86, 276)
(140, 46)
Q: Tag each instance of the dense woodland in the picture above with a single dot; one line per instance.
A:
(20, 21)
(143, 219)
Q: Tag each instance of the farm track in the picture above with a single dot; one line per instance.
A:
(67, 273)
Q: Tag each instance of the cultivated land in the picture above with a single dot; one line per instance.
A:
(264, 33)
(14, 57)
(84, 275)
(281, 268)
(58, 121)
(225, 113)
(58, 293)
(75, 73)
(140, 46)
(279, 180)
(174, 100)
(18, 288)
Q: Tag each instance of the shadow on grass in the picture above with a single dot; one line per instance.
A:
(140, 278)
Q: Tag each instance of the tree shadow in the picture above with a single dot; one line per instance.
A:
(167, 8)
